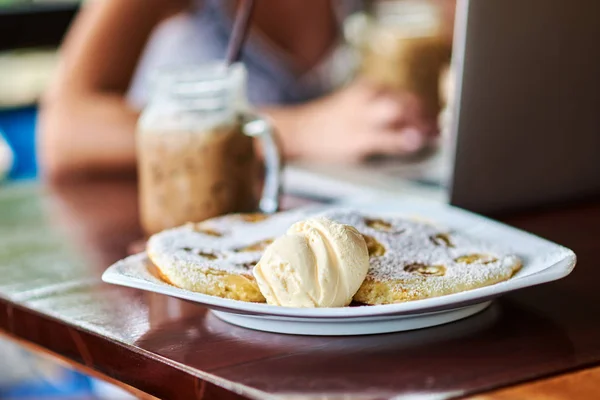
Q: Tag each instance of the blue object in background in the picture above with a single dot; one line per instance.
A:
(18, 127)
(70, 385)
(26, 376)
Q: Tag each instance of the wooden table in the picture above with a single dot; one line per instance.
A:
(56, 242)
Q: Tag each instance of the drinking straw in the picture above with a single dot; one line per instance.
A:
(240, 31)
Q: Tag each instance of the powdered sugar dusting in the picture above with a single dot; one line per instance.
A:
(192, 249)
(407, 242)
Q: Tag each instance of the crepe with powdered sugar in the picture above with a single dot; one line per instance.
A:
(413, 260)
(409, 259)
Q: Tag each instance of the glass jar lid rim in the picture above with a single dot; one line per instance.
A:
(191, 80)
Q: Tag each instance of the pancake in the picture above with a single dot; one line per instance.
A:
(410, 259)
(210, 258)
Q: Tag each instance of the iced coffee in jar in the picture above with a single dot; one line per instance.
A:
(195, 149)
(403, 45)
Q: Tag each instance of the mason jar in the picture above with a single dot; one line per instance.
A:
(196, 151)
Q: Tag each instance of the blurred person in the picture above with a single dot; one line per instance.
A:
(88, 115)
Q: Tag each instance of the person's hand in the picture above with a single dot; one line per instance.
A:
(354, 123)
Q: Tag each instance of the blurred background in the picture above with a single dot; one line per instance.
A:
(30, 33)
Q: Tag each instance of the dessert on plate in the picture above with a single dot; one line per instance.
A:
(326, 261)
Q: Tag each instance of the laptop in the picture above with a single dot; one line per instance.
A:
(526, 116)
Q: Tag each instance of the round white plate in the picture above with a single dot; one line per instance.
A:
(543, 262)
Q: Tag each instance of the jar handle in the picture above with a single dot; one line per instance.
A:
(260, 127)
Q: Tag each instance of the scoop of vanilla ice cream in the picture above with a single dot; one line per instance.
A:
(318, 263)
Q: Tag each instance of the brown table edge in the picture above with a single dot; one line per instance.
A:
(190, 383)
(77, 355)
(529, 389)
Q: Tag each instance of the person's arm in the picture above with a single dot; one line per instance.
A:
(85, 124)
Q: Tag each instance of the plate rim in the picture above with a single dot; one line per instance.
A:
(557, 270)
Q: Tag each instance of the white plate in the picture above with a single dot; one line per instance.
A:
(543, 262)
